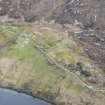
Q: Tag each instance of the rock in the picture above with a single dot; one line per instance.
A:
(13, 13)
(78, 73)
(92, 80)
(89, 13)
(30, 18)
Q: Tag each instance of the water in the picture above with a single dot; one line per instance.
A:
(9, 97)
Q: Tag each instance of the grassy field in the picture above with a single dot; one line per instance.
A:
(24, 67)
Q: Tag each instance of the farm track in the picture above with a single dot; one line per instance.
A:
(67, 71)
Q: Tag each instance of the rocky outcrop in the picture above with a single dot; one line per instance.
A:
(91, 13)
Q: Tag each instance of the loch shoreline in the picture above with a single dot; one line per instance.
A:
(30, 94)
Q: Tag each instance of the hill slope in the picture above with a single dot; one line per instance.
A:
(41, 59)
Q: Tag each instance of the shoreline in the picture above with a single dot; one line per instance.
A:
(30, 94)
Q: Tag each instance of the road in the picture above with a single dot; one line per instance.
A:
(68, 71)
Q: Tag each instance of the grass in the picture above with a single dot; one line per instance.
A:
(42, 74)
(39, 75)
(77, 87)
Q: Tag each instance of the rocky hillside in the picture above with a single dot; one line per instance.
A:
(91, 13)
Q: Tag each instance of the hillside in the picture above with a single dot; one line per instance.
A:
(54, 49)
(43, 60)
